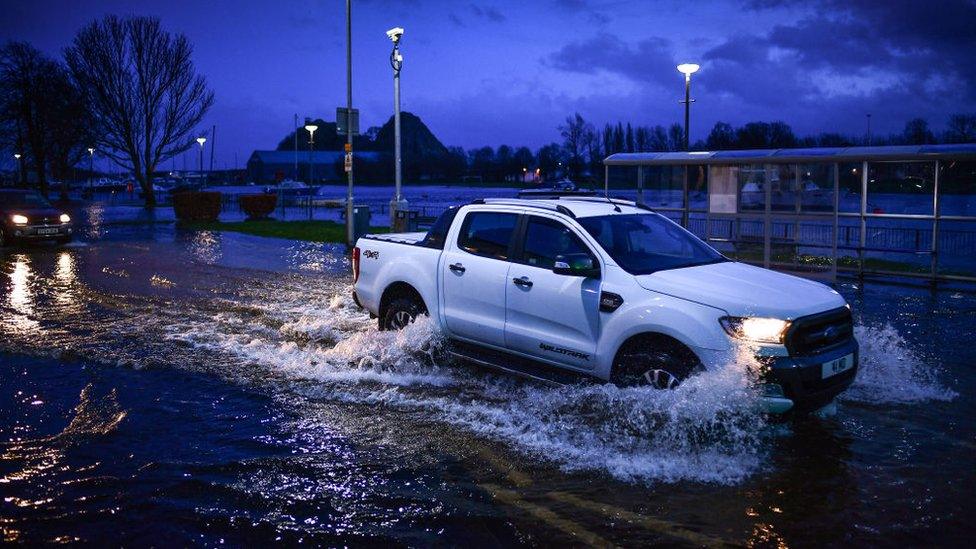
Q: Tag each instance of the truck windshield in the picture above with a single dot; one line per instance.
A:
(646, 243)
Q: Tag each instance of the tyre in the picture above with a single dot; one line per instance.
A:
(401, 312)
(655, 361)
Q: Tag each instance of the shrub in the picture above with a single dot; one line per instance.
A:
(193, 206)
(258, 206)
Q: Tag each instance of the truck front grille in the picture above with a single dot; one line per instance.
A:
(814, 334)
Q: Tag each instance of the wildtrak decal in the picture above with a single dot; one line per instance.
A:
(371, 254)
(562, 351)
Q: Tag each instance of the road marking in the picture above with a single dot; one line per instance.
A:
(522, 480)
(548, 516)
(650, 523)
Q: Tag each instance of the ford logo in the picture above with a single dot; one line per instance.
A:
(830, 332)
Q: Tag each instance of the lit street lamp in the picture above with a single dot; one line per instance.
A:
(20, 169)
(687, 69)
(311, 144)
(396, 62)
(201, 141)
(91, 170)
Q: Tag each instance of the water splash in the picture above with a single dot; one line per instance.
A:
(891, 373)
(709, 429)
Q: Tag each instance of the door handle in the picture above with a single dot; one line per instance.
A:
(457, 268)
(523, 282)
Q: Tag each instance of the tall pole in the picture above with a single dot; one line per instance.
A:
(311, 146)
(350, 233)
(688, 69)
(396, 62)
(296, 146)
(213, 143)
(20, 169)
(91, 169)
(687, 106)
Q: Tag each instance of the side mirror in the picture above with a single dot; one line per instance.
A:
(576, 265)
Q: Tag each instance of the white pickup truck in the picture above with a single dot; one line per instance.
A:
(562, 287)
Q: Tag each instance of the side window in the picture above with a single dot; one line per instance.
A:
(487, 233)
(547, 238)
(437, 234)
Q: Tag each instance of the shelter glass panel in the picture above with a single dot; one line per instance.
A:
(901, 187)
(957, 189)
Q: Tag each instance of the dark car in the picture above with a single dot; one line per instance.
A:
(26, 216)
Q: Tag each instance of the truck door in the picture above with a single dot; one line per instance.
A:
(552, 316)
(475, 275)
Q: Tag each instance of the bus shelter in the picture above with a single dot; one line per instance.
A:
(894, 210)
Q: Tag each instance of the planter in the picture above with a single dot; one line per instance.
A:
(197, 206)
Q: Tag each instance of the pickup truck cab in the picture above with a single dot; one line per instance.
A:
(609, 289)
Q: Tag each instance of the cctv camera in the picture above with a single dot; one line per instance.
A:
(395, 34)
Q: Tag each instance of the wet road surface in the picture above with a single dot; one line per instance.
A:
(169, 387)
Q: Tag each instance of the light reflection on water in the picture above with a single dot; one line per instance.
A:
(206, 246)
(21, 296)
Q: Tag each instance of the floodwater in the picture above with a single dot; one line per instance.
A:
(177, 388)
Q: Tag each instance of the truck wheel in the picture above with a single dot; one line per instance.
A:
(659, 362)
(401, 312)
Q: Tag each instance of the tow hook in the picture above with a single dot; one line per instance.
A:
(773, 400)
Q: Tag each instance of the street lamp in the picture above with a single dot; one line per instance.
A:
(396, 62)
(91, 170)
(687, 69)
(311, 144)
(201, 141)
(20, 168)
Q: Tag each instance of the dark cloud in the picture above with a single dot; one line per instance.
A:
(490, 13)
(586, 7)
(606, 52)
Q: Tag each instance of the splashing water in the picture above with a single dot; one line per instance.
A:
(708, 429)
(891, 373)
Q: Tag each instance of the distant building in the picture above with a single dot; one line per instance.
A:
(271, 166)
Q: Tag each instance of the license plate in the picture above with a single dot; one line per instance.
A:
(47, 231)
(837, 366)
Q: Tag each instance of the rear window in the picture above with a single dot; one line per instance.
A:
(437, 234)
(487, 234)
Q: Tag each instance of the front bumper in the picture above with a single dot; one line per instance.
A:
(41, 232)
(802, 381)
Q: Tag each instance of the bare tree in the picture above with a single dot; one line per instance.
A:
(145, 96)
(34, 94)
(574, 140)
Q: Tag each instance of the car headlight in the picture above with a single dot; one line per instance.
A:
(65, 218)
(761, 330)
(19, 219)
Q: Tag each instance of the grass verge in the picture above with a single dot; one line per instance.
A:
(311, 231)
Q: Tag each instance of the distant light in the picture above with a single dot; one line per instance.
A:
(201, 140)
(91, 150)
(688, 68)
(312, 127)
(699, 152)
(17, 156)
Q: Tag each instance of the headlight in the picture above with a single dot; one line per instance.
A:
(19, 219)
(65, 218)
(762, 330)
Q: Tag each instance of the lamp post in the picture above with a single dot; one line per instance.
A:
(20, 169)
(396, 62)
(201, 141)
(311, 145)
(91, 170)
(350, 228)
(687, 69)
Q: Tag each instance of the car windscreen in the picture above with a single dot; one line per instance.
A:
(646, 243)
(29, 199)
